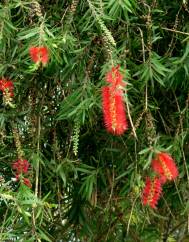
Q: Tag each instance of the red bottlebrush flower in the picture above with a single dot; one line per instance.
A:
(152, 192)
(34, 54)
(44, 55)
(39, 54)
(115, 78)
(27, 182)
(7, 87)
(21, 166)
(114, 111)
(165, 167)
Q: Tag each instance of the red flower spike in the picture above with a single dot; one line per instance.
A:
(120, 114)
(7, 87)
(106, 108)
(113, 111)
(165, 167)
(34, 54)
(27, 182)
(39, 54)
(21, 166)
(44, 55)
(115, 78)
(152, 192)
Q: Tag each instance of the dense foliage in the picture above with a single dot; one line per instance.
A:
(86, 182)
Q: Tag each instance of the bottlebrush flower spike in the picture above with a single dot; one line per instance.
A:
(152, 192)
(7, 87)
(165, 167)
(114, 111)
(39, 54)
(21, 166)
(21, 169)
(115, 78)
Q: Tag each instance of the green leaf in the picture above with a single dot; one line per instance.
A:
(43, 235)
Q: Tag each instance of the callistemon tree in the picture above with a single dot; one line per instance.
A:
(94, 120)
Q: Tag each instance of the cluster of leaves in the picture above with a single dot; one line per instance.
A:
(87, 183)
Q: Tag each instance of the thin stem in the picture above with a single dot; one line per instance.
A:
(131, 213)
(130, 119)
(168, 207)
(181, 201)
(143, 48)
(175, 31)
(38, 149)
(36, 179)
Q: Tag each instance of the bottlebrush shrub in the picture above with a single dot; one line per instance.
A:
(114, 111)
(152, 192)
(39, 54)
(165, 167)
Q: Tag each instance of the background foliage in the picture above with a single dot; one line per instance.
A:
(87, 183)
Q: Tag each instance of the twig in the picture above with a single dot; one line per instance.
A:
(175, 31)
(37, 166)
(130, 119)
(129, 221)
(143, 49)
(168, 207)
